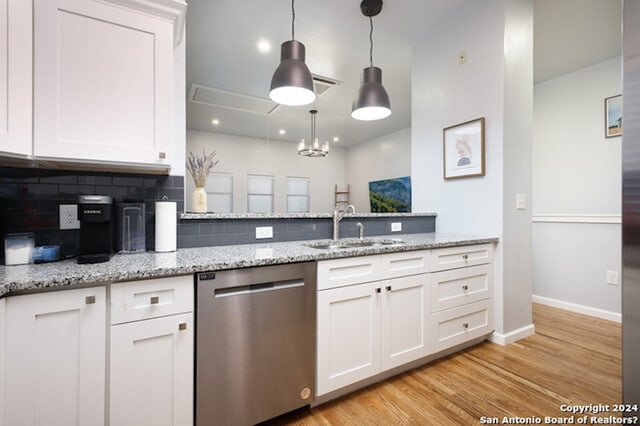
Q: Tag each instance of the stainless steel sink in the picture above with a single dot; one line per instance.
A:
(353, 243)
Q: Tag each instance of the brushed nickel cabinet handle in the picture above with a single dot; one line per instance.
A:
(182, 326)
(89, 300)
(465, 325)
(154, 300)
(162, 155)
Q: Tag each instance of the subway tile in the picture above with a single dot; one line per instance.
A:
(95, 180)
(62, 179)
(112, 191)
(127, 181)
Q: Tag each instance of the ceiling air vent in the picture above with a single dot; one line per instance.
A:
(322, 84)
(231, 100)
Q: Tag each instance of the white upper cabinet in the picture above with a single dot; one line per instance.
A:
(15, 77)
(103, 84)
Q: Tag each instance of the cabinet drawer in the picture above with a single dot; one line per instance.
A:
(460, 286)
(405, 263)
(458, 325)
(460, 257)
(138, 300)
(352, 270)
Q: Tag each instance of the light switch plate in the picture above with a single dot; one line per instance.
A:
(396, 226)
(264, 232)
(521, 201)
(613, 278)
(69, 216)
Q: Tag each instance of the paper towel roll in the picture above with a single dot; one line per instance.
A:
(166, 226)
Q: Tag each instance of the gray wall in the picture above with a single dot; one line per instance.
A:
(577, 191)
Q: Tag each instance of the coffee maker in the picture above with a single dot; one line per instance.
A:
(96, 228)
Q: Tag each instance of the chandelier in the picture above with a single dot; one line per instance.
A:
(313, 149)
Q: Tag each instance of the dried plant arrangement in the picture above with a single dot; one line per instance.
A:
(201, 166)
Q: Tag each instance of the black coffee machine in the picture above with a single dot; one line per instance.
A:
(96, 228)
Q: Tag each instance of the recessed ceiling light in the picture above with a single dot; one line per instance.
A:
(264, 46)
(215, 121)
(282, 131)
(336, 139)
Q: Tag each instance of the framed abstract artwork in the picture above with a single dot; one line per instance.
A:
(463, 149)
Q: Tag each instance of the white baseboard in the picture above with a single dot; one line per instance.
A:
(580, 309)
(505, 339)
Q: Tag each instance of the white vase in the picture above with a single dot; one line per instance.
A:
(199, 200)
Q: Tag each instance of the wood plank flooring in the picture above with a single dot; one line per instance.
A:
(572, 359)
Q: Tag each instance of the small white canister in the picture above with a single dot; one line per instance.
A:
(18, 248)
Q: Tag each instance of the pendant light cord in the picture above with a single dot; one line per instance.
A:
(293, 19)
(371, 41)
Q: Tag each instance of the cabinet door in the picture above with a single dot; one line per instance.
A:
(404, 320)
(55, 358)
(15, 77)
(151, 373)
(348, 335)
(102, 83)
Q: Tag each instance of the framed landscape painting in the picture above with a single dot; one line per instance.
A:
(613, 116)
(390, 195)
(463, 149)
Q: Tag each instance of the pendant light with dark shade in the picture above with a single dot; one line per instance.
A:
(292, 83)
(372, 100)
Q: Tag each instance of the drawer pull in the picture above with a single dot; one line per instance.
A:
(465, 287)
(465, 256)
(388, 288)
(465, 325)
(378, 290)
(89, 300)
(182, 326)
(154, 300)
(162, 155)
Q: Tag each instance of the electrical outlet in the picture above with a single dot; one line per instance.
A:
(264, 232)
(396, 226)
(613, 278)
(69, 216)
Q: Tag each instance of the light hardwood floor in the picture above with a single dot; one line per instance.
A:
(572, 359)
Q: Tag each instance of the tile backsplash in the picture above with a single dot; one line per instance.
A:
(29, 200)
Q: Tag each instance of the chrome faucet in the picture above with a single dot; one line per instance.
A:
(337, 217)
(361, 229)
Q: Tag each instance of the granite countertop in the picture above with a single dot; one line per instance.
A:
(234, 216)
(125, 267)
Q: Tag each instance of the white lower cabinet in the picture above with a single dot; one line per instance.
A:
(151, 372)
(54, 360)
(151, 353)
(348, 336)
(367, 328)
(379, 312)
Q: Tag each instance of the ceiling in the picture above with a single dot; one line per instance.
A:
(227, 76)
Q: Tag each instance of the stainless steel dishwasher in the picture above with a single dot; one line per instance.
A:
(255, 343)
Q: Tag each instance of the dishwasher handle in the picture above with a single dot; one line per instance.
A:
(257, 288)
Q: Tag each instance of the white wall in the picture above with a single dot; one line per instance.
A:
(497, 35)
(382, 158)
(241, 156)
(577, 177)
